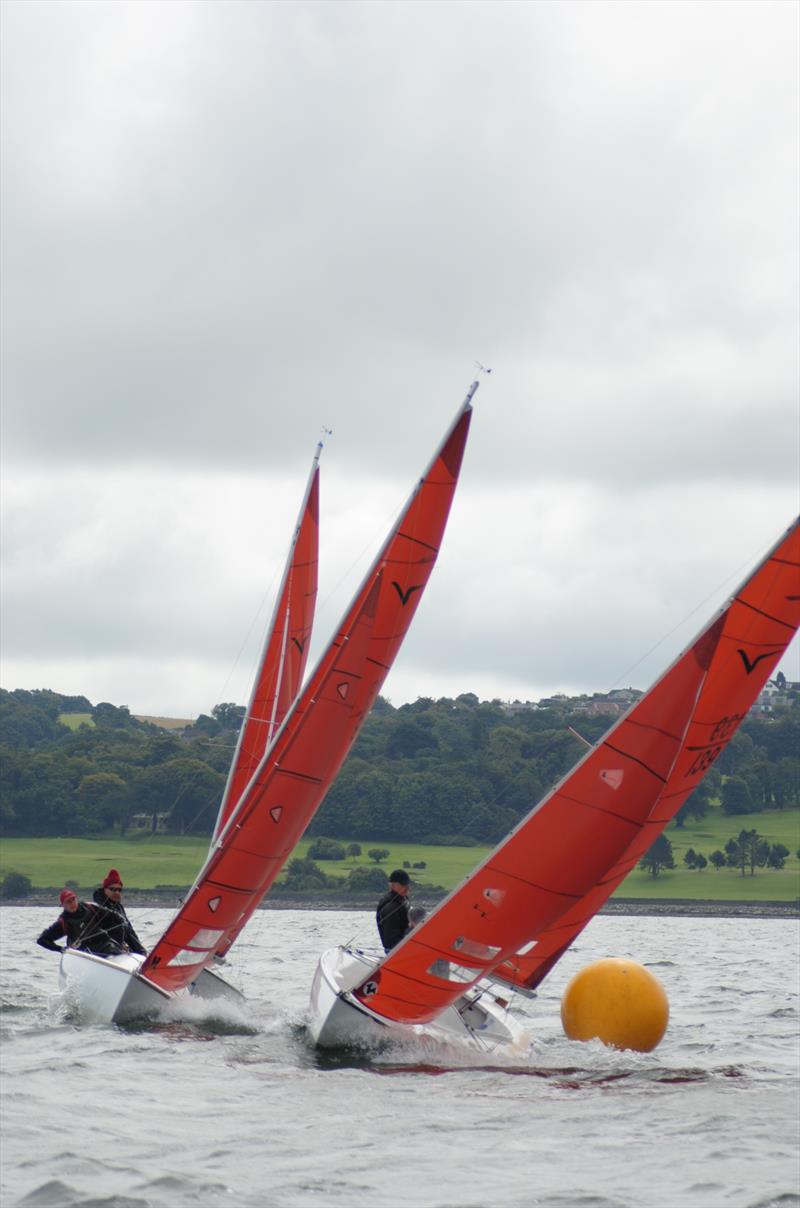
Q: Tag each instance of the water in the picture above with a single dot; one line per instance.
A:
(237, 1109)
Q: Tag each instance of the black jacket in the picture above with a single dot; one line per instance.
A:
(392, 919)
(87, 928)
(121, 931)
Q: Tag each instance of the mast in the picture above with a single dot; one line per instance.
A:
(295, 597)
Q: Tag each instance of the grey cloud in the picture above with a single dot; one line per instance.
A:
(227, 225)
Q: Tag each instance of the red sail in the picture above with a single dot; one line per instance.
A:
(318, 731)
(283, 659)
(519, 911)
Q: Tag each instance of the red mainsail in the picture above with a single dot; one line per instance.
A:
(283, 659)
(318, 731)
(522, 908)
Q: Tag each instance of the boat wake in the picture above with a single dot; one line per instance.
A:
(600, 1066)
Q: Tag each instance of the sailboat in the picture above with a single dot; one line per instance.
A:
(290, 749)
(517, 913)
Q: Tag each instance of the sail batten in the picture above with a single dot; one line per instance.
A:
(578, 844)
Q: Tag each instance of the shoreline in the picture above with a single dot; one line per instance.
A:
(698, 908)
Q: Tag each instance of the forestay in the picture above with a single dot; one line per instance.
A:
(283, 659)
(318, 731)
(519, 911)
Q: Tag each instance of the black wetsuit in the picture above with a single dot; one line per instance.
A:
(121, 931)
(86, 927)
(392, 919)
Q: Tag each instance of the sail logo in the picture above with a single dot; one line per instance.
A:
(726, 726)
(748, 666)
(369, 989)
(706, 757)
(405, 596)
(613, 777)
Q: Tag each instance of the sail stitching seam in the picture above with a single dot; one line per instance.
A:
(760, 613)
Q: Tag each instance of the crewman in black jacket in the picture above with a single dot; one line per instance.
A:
(392, 912)
(83, 924)
(109, 896)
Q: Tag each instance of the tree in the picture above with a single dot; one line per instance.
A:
(305, 874)
(206, 725)
(187, 791)
(354, 850)
(736, 798)
(408, 739)
(326, 849)
(229, 715)
(777, 855)
(102, 797)
(690, 859)
(786, 782)
(366, 880)
(378, 853)
(15, 885)
(698, 803)
(747, 851)
(760, 779)
(658, 856)
(717, 858)
(487, 825)
(701, 862)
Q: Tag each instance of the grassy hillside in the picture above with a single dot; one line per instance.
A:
(146, 863)
(74, 721)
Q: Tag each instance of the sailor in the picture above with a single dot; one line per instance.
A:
(83, 924)
(109, 896)
(392, 911)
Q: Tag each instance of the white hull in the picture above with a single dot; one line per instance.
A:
(338, 1020)
(110, 989)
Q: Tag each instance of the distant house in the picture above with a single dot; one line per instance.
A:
(604, 708)
(609, 704)
(513, 707)
(776, 696)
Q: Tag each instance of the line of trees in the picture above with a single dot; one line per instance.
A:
(746, 852)
(455, 771)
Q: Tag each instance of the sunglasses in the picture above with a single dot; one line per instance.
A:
(114, 889)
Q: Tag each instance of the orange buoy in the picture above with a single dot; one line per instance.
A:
(617, 1001)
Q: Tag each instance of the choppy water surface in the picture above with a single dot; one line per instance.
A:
(238, 1109)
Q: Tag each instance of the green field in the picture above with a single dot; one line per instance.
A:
(74, 721)
(146, 862)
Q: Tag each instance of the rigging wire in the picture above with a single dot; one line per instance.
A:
(733, 575)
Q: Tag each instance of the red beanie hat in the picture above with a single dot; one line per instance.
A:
(66, 893)
(113, 878)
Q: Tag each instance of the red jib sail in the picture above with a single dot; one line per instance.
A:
(283, 659)
(520, 910)
(318, 731)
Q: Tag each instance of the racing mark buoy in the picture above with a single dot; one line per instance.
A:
(617, 1001)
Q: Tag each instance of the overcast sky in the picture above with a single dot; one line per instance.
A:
(227, 225)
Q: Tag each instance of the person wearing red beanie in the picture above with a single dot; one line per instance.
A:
(109, 896)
